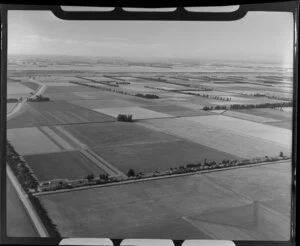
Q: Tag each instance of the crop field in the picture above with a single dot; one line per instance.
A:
(10, 107)
(65, 96)
(244, 116)
(71, 165)
(31, 85)
(109, 103)
(107, 134)
(149, 157)
(55, 113)
(283, 124)
(17, 88)
(241, 127)
(177, 110)
(268, 112)
(224, 139)
(199, 206)
(211, 93)
(137, 112)
(68, 89)
(99, 94)
(30, 141)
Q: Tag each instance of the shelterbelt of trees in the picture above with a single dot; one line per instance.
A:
(30, 183)
(249, 106)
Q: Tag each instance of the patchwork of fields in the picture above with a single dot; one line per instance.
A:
(76, 134)
(240, 204)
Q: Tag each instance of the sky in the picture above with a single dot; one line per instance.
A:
(258, 37)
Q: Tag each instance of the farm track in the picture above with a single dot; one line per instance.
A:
(72, 142)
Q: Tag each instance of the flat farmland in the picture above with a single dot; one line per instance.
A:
(177, 110)
(17, 88)
(268, 112)
(30, 141)
(189, 203)
(243, 116)
(62, 96)
(136, 112)
(109, 103)
(10, 107)
(221, 138)
(283, 124)
(269, 133)
(101, 95)
(31, 85)
(106, 134)
(55, 113)
(149, 157)
(71, 165)
(68, 89)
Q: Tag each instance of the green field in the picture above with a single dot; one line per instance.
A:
(55, 113)
(226, 138)
(70, 165)
(149, 157)
(116, 133)
(187, 202)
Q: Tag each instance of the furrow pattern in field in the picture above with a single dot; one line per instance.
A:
(58, 140)
(70, 138)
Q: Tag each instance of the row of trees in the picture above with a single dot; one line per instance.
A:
(266, 95)
(91, 179)
(248, 106)
(29, 183)
(227, 99)
(38, 98)
(12, 100)
(148, 96)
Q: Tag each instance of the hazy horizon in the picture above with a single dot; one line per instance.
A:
(258, 38)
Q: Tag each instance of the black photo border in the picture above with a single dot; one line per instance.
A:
(180, 14)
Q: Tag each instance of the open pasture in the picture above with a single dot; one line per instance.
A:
(10, 107)
(149, 157)
(210, 93)
(31, 85)
(283, 124)
(177, 110)
(71, 165)
(55, 113)
(269, 113)
(136, 112)
(60, 112)
(62, 96)
(186, 202)
(109, 103)
(99, 94)
(106, 134)
(68, 89)
(245, 127)
(244, 116)
(31, 141)
(17, 88)
(235, 142)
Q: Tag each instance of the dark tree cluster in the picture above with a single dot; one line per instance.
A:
(148, 96)
(125, 117)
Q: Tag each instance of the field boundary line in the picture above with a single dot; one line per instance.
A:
(70, 137)
(105, 163)
(159, 177)
(40, 228)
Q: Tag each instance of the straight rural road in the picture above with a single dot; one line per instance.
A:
(158, 177)
(27, 206)
(18, 222)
